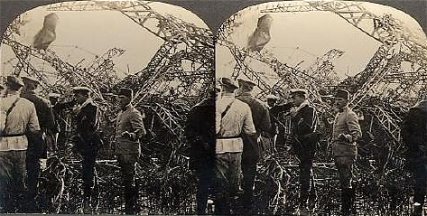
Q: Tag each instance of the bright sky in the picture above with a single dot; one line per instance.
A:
(303, 36)
(93, 33)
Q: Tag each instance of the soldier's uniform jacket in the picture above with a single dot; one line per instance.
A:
(414, 133)
(260, 113)
(43, 109)
(21, 121)
(303, 132)
(200, 134)
(346, 122)
(130, 120)
(236, 122)
(87, 120)
(46, 120)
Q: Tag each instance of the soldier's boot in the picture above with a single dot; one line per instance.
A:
(87, 205)
(418, 203)
(346, 201)
(131, 197)
(303, 208)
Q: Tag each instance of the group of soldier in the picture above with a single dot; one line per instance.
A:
(230, 131)
(29, 126)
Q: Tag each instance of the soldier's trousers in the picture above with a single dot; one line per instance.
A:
(227, 178)
(33, 172)
(249, 173)
(88, 172)
(12, 178)
(127, 164)
(420, 175)
(205, 177)
(305, 179)
(344, 165)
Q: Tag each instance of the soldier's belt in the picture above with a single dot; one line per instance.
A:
(12, 135)
(232, 137)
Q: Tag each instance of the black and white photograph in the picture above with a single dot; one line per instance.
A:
(213, 107)
(95, 96)
(333, 119)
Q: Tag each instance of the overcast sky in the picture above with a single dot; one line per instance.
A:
(303, 36)
(80, 35)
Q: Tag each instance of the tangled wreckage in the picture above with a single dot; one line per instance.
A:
(166, 90)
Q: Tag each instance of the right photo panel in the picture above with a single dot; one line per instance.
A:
(321, 110)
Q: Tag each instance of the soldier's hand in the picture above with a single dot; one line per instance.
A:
(43, 163)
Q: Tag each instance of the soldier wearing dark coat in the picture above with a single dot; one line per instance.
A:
(88, 140)
(200, 134)
(35, 154)
(304, 140)
(251, 153)
(414, 134)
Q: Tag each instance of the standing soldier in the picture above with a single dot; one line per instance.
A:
(251, 153)
(53, 98)
(233, 120)
(414, 134)
(304, 141)
(280, 121)
(19, 126)
(200, 133)
(129, 129)
(88, 138)
(346, 131)
(47, 126)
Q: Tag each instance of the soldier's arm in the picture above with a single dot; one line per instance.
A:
(64, 105)
(92, 119)
(33, 125)
(49, 117)
(137, 123)
(248, 122)
(266, 120)
(353, 126)
(309, 120)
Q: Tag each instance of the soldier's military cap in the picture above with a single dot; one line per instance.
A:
(224, 81)
(126, 92)
(28, 80)
(246, 82)
(341, 93)
(272, 97)
(298, 92)
(13, 80)
(81, 89)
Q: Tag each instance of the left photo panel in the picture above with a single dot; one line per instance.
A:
(107, 107)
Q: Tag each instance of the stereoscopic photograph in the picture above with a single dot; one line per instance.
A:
(94, 102)
(144, 107)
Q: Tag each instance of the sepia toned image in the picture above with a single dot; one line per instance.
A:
(95, 97)
(321, 110)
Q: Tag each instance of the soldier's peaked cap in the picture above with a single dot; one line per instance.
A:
(27, 80)
(299, 91)
(224, 81)
(81, 89)
(341, 93)
(13, 80)
(245, 81)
